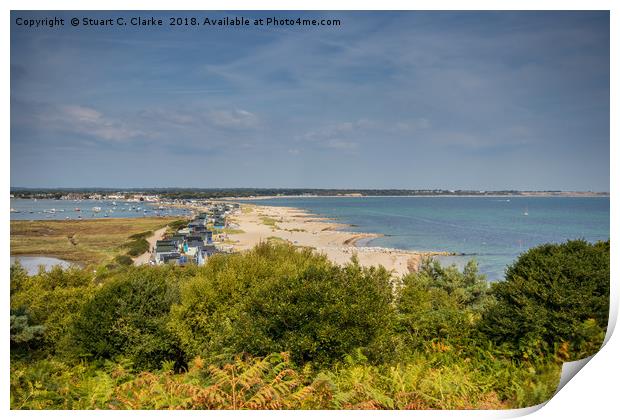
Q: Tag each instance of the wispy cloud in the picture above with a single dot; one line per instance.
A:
(235, 118)
(349, 135)
(84, 120)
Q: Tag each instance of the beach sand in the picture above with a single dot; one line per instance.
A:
(300, 228)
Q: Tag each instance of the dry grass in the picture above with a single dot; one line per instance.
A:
(271, 222)
(82, 241)
(247, 209)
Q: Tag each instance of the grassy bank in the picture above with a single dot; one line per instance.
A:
(81, 241)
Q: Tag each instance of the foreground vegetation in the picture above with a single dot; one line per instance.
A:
(82, 241)
(279, 327)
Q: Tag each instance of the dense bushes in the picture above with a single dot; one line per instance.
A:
(275, 299)
(319, 315)
(49, 300)
(128, 316)
(440, 303)
(192, 337)
(553, 294)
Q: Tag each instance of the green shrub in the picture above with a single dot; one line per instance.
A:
(123, 260)
(441, 339)
(553, 294)
(51, 300)
(178, 224)
(25, 335)
(141, 235)
(137, 247)
(127, 317)
(275, 298)
(440, 303)
(319, 315)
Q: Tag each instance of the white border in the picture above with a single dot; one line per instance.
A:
(593, 393)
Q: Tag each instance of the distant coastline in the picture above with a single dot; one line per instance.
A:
(172, 194)
(541, 194)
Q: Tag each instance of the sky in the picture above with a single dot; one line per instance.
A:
(414, 100)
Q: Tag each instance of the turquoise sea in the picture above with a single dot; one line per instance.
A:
(493, 230)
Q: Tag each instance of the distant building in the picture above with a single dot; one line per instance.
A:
(205, 253)
(174, 258)
(162, 252)
(193, 247)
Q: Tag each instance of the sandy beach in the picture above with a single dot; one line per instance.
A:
(255, 223)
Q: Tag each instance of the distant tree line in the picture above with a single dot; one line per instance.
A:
(215, 193)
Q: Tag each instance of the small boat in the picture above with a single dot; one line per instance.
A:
(114, 203)
(77, 209)
(96, 209)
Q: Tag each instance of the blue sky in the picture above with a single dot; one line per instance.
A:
(481, 100)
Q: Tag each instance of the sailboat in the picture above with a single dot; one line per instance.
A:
(525, 213)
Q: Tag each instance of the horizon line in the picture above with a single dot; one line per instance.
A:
(314, 188)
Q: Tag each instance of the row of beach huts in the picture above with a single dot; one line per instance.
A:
(195, 243)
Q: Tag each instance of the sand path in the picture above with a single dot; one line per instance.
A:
(156, 236)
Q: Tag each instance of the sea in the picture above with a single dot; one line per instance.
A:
(31, 209)
(492, 230)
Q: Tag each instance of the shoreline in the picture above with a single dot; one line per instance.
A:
(255, 223)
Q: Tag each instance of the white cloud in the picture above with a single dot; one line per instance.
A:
(236, 118)
(87, 121)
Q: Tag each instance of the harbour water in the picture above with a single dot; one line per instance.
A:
(493, 230)
(30, 209)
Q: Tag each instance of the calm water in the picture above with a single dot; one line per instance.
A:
(32, 264)
(492, 230)
(66, 209)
